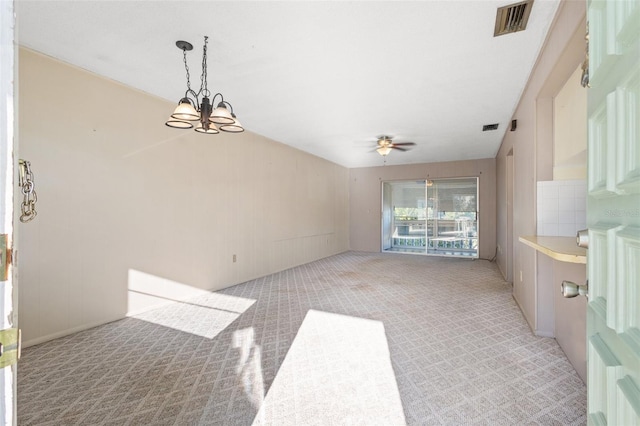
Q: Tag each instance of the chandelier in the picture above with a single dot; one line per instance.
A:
(198, 106)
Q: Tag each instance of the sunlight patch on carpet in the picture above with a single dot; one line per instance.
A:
(214, 311)
(337, 371)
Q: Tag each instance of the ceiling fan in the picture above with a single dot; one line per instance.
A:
(386, 144)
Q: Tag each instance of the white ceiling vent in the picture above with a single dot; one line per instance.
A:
(512, 18)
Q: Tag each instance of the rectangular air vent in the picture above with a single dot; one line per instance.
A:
(512, 18)
(490, 127)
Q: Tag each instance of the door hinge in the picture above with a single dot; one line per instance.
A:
(10, 346)
(5, 257)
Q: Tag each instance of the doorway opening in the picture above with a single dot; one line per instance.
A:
(431, 216)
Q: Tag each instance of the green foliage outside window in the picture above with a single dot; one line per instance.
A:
(409, 213)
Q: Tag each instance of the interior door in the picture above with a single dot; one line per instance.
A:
(8, 332)
(613, 213)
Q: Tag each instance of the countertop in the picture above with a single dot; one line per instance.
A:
(563, 249)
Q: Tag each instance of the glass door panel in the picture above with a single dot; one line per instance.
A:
(408, 216)
(452, 217)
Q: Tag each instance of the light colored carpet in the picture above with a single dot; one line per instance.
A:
(357, 338)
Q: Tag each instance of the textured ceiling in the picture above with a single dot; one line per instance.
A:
(324, 77)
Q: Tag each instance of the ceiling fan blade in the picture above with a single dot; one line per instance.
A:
(399, 148)
(404, 143)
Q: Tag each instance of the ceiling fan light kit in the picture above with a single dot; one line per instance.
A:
(384, 150)
(198, 106)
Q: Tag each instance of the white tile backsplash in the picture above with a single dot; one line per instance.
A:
(561, 207)
(550, 191)
(566, 191)
(549, 229)
(567, 217)
(549, 216)
(567, 204)
(567, 230)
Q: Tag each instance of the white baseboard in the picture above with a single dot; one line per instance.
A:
(58, 334)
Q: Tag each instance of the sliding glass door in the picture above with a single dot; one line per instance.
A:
(438, 216)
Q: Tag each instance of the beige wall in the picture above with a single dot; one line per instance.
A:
(532, 147)
(125, 202)
(570, 130)
(365, 188)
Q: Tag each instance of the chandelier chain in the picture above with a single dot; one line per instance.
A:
(203, 77)
(186, 67)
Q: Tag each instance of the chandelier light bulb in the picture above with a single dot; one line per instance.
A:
(185, 111)
(221, 115)
(211, 129)
(236, 127)
(178, 124)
